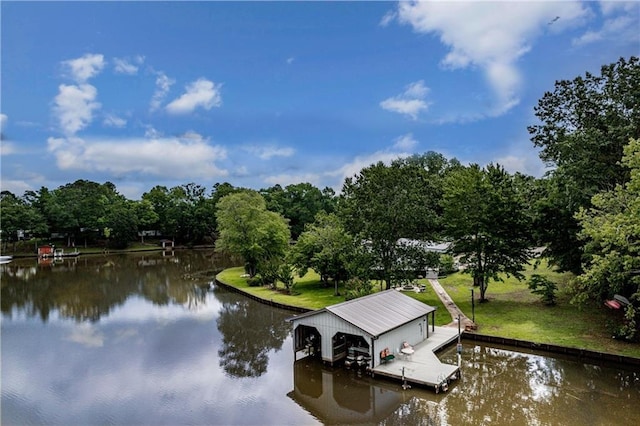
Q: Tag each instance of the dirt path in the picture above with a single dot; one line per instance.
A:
(453, 309)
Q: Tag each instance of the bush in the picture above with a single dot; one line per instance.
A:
(355, 287)
(543, 287)
(255, 281)
(285, 275)
(447, 265)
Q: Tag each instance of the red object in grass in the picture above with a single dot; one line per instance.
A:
(613, 304)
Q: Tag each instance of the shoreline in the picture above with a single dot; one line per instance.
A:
(580, 354)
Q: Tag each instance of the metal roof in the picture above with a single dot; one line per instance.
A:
(379, 312)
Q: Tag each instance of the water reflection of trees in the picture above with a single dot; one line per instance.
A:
(87, 288)
(249, 332)
(504, 387)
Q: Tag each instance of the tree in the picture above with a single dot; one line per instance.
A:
(299, 203)
(219, 191)
(18, 215)
(248, 229)
(487, 223)
(146, 216)
(121, 222)
(325, 247)
(611, 229)
(159, 198)
(543, 287)
(383, 204)
(77, 209)
(585, 123)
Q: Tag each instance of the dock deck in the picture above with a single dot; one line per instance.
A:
(423, 366)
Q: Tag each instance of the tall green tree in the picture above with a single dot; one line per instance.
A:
(163, 206)
(299, 203)
(487, 222)
(121, 223)
(146, 216)
(611, 229)
(385, 203)
(78, 209)
(248, 229)
(584, 125)
(17, 215)
(324, 246)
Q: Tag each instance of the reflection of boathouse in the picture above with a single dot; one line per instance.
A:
(340, 397)
(374, 323)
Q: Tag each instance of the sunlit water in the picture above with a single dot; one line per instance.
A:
(144, 339)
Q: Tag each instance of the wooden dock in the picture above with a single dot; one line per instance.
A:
(423, 367)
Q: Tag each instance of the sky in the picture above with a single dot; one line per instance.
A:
(263, 93)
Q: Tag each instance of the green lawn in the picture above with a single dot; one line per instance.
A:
(514, 312)
(511, 312)
(308, 292)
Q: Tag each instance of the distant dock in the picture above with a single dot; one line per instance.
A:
(423, 367)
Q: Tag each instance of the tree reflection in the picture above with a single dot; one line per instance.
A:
(88, 288)
(249, 331)
(504, 387)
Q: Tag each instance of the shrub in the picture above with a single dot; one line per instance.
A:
(355, 287)
(543, 287)
(447, 265)
(255, 281)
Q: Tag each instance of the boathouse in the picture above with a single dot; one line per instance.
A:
(370, 324)
(46, 250)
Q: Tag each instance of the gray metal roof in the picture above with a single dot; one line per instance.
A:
(379, 312)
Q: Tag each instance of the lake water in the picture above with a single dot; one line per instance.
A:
(145, 339)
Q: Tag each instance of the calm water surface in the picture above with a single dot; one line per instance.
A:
(145, 339)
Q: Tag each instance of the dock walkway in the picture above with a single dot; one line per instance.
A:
(455, 312)
(423, 366)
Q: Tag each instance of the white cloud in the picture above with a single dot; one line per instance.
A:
(268, 152)
(152, 133)
(127, 66)
(489, 35)
(186, 157)
(405, 142)
(522, 157)
(620, 23)
(85, 67)
(74, 106)
(399, 149)
(87, 335)
(111, 120)
(388, 18)
(163, 84)
(200, 93)
(354, 167)
(16, 187)
(7, 148)
(411, 102)
(609, 7)
(3, 121)
(290, 60)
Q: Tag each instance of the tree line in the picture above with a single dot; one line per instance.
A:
(584, 211)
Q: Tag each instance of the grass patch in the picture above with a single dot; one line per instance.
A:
(309, 292)
(514, 312)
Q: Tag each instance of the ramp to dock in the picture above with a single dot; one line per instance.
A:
(423, 366)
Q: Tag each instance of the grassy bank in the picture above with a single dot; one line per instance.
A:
(511, 312)
(309, 292)
(514, 312)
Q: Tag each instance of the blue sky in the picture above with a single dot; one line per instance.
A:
(263, 93)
